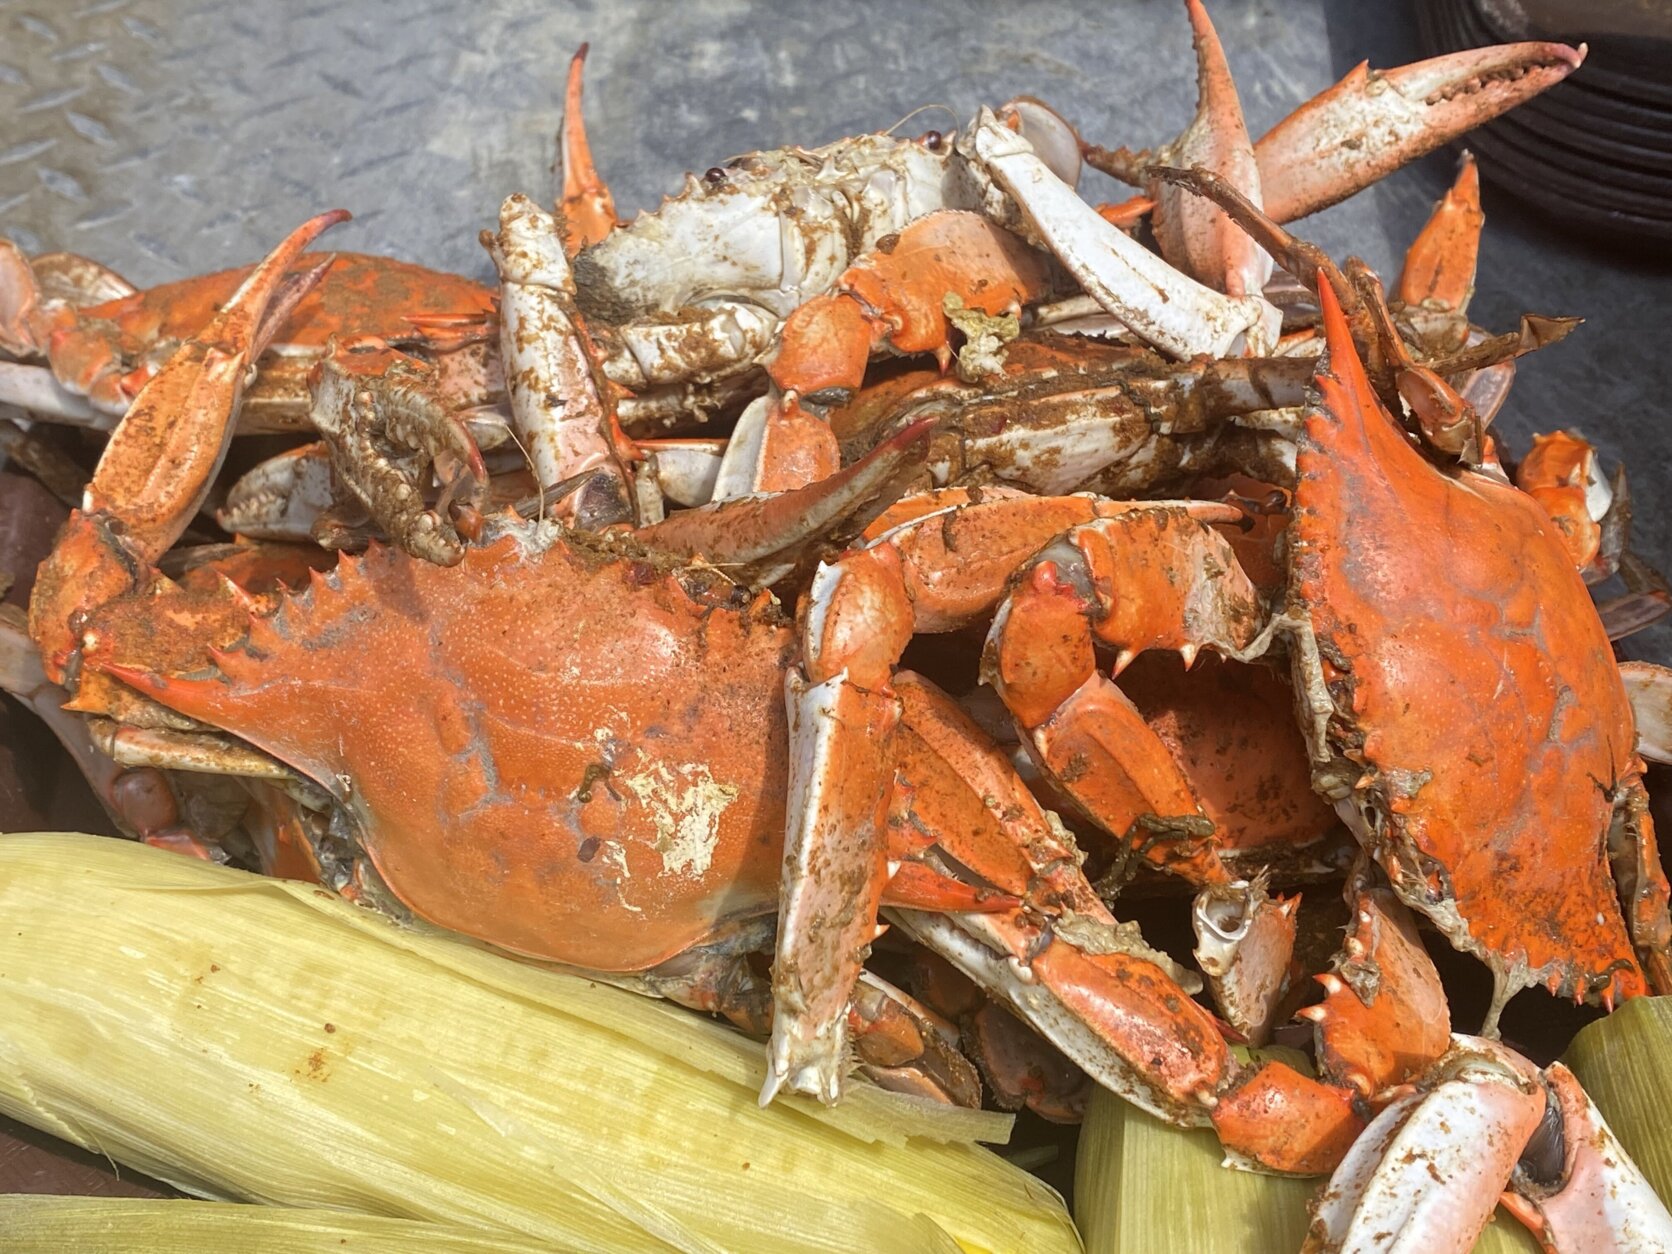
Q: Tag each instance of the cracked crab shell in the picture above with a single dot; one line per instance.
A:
(1472, 684)
(560, 752)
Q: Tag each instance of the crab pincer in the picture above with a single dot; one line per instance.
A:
(1374, 121)
(587, 208)
(1194, 235)
(164, 454)
(560, 400)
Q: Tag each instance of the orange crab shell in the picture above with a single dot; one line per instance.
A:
(563, 753)
(1474, 686)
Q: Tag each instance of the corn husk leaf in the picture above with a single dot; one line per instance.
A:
(1625, 1064)
(254, 1039)
(33, 1224)
(1144, 1187)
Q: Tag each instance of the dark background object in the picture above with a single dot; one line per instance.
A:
(168, 139)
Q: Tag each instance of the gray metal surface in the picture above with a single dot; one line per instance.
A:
(165, 138)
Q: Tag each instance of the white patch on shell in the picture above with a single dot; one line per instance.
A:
(685, 802)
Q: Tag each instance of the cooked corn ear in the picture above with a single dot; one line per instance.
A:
(32, 1224)
(260, 1040)
(1625, 1064)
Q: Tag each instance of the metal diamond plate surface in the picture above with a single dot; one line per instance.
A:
(165, 137)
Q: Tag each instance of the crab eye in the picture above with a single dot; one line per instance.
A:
(714, 177)
(932, 140)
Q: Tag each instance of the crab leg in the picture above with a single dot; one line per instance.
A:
(585, 208)
(1384, 1019)
(1090, 985)
(373, 404)
(1175, 584)
(858, 618)
(560, 401)
(1374, 121)
(842, 715)
(163, 456)
(1438, 277)
(981, 818)
(897, 300)
(1161, 306)
(1179, 586)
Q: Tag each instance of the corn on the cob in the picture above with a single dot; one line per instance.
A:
(1625, 1064)
(248, 1038)
(31, 1224)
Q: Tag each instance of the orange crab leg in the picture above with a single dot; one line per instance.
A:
(586, 210)
(1559, 472)
(842, 715)
(1439, 272)
(894, 299)
(158, 466)
(1384, 1019)
(1374, 121)
(1287, 1122)
(1126, 583)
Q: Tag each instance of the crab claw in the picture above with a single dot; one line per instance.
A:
(1599, 1200)
(1374, 121)
(586, 210)
(1163, 307)
(1439, 272)
(1428, 1171)
(20, 299)
(1195, 234)
(561, 404)
(163, 456)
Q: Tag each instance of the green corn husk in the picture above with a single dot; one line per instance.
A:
(1625, 1064)
(31, 1224)
(255, 1039)
(1144, 1187)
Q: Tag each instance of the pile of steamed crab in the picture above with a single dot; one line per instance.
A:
(887, 538)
